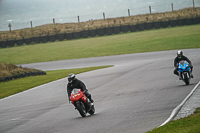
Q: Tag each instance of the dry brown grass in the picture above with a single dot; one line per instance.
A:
(10, 69)
(51, 29)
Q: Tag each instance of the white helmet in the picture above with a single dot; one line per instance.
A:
(71, 77)
(179, 53)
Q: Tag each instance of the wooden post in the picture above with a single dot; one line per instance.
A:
(172, 7)
(31, 29)
(193, 4)
(31, 25)
(104, 16)
(9, 26)
(78, 19)
(128, 12)
(54, 22)
(150, 9)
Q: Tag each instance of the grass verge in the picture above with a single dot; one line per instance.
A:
(145, 41)
(190, 124)
(10, 70)
(19, 85)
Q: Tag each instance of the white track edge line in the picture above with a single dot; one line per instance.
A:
(178, 108)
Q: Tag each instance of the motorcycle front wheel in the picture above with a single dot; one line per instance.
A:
(81, 108)
(186, 78)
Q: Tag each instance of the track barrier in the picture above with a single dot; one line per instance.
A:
(100, 32)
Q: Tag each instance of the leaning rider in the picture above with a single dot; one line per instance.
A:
(179, 58)
(73, 82)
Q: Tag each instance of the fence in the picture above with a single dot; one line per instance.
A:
(101, 32)
(155, 8)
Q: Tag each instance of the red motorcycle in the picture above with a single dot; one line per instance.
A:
(81, 102)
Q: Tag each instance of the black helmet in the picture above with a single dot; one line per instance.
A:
(71, 77)
(179, 53)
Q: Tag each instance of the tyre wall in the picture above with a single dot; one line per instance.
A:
(26, 74)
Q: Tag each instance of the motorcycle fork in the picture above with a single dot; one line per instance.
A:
(74, 104)
(182, 75)
(187, 73)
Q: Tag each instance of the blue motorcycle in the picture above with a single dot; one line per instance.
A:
(185, 72)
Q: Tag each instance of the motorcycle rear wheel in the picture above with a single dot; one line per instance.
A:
(81, 108)
(92, 110)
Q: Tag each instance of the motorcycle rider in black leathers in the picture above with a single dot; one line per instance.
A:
(73, 82)
(179, 58)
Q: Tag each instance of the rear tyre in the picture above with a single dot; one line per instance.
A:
(81, 108)
(92, 110)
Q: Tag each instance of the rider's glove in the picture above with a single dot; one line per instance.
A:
(190, 65)
(84, 91)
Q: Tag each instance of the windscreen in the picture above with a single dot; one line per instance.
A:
(182, 62)
(75, 91)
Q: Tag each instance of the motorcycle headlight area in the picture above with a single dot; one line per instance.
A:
(180, 70)
(187, 68)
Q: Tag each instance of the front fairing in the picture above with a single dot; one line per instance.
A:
(183, 66)
(76, 95)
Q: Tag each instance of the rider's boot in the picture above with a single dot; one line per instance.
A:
(89, 97)
(192, 76)
(91, 100)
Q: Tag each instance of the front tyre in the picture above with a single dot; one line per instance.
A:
(81, 108)
(186, 78)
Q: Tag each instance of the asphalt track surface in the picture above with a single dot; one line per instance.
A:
(136, 95)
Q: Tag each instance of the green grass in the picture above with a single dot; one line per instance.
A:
(190, 124)
(146, 41)
(19, 85)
